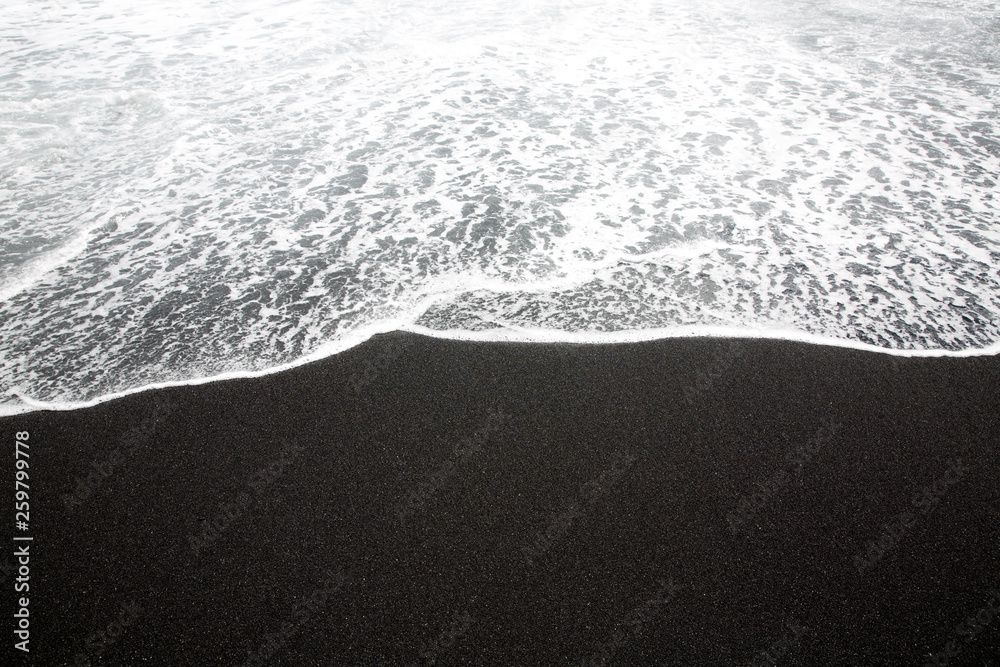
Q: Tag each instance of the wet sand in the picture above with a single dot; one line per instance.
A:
(422, 501)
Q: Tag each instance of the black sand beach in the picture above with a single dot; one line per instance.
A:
(431, 502)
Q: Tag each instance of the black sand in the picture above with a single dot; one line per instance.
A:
(419, 501)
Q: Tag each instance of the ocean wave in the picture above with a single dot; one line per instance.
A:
(211, 190)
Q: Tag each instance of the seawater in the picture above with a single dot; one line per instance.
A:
(191, 190)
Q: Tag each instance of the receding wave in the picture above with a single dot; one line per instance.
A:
(189, 192)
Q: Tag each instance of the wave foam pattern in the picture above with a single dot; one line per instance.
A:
(200, 191)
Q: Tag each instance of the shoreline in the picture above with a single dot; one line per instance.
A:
(511, 336)
(419, 500)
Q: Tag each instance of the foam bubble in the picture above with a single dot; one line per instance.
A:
(191, 191)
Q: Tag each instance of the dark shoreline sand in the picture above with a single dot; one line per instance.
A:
(424, 501)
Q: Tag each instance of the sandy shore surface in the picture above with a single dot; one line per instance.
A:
(417, 501)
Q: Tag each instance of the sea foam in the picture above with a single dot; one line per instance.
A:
(200, 191)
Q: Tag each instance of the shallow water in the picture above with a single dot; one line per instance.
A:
(233, 187)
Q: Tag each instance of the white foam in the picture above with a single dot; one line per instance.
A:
(181, 197)
(525, 335)
(29, 404)
(547, 336)
(23, 277)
